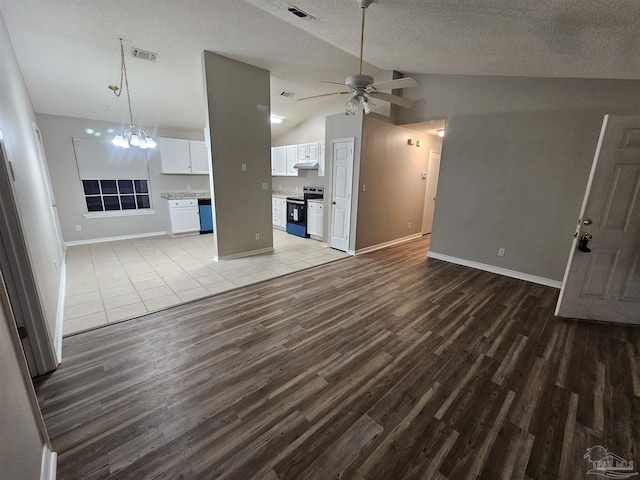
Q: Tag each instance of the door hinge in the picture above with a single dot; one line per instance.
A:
(22, 333)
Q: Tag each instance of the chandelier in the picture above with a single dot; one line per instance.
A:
(129, 136)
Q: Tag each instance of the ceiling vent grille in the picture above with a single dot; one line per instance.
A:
(286, 94)
(299, 13)
(143, 54)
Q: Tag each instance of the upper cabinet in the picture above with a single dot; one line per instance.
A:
(292, 159)
(308, 152)
(284, 158)
(278, 161)
(182, 156)
(199, 157)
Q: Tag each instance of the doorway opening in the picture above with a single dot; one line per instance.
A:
(436, 131)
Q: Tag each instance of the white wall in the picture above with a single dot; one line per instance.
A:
(21, 426)
(37, 221)
(22, 433)
(515, 162)
(57, 134)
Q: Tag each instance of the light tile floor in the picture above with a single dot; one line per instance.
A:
(112, 281)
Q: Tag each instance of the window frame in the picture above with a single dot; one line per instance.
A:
(119, 212)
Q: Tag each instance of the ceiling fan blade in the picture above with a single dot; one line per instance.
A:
(406, 82)
(396, 100)
(332, 83)
(323, 95)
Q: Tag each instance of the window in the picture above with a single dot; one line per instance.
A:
(116, 195)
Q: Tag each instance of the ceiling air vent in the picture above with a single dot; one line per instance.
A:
(143, 54)
(286, 94)
(299, 13)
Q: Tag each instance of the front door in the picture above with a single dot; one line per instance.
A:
(342, 169)
(602, 279)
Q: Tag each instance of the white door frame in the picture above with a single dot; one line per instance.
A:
(20, 280)
(332, 143)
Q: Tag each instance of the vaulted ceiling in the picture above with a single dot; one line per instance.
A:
(68, 50)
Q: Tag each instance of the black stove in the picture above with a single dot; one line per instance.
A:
(297, 210)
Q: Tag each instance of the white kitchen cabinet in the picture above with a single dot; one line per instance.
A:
(184, 214)
(180, 156)
(279, 161)
(308, 152)
(314, 219)
(292, 159)
(321, 160)
(279, 212)
(199, 157)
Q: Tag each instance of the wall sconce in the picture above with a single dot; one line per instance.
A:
(418, 143)
(409, 142)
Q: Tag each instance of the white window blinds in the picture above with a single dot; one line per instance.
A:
(98, 159)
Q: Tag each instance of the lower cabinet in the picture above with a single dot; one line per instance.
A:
(184, 214)
(314, 219)
(279, 212)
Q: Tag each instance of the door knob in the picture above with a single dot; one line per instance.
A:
(333, 203)
(583, 243)
(587, 221)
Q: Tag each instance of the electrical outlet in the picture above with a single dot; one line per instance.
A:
(188, 188)
(364, 187)
(257, 236)
(244, 167)
(501, 252)
(78, 228)
(265, 185)
(409, 225)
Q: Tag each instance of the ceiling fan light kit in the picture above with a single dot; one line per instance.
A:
(129, 136)
(362, 88)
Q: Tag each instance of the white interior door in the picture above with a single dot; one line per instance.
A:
(431, 190)
(341, 180)
(604, 283)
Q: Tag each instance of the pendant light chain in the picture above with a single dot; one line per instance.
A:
(123, 76)
(129, 136)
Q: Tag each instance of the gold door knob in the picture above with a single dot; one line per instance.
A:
(587, 221)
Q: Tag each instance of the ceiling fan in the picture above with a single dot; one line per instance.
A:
(362, 87)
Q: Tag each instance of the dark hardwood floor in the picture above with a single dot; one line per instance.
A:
(383, 366)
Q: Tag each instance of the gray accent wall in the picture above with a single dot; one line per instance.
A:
(516, 158)
(238, 110)
(57, 135)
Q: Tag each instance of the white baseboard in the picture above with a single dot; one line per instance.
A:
(499, 270)
(49, 464)
(57, 341)
(114, 239)
(243, 254)
(388, 244)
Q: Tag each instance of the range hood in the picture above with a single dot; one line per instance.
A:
(307, 166)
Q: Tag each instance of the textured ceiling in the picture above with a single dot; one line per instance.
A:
(68, 49)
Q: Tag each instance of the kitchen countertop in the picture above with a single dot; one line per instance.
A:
(315, 200)
(180, 195)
